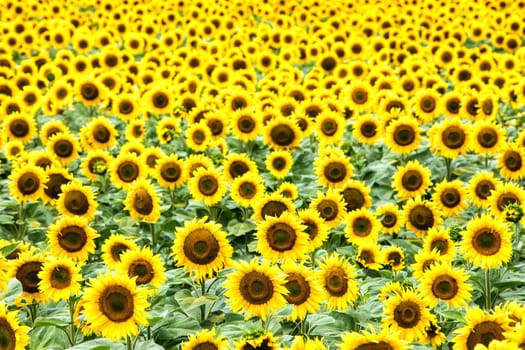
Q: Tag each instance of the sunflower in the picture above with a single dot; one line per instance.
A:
(305, 343)
(99, 133)
(90, 92)
(304, 290)
(279, 163)
(369, 256)
(126, 106)
(114, 306)
(113, 248)
(247, 189)
(13, 335)
(245, 124)
(50, 129)
(95, 164)
(142, 264)
(333, 170)
(205, 339)
(393, 256)
(135, 147)
(282, 238)
(198, 137)
(282, 133)
(330, 127)
(511, 162)
(20, 126)
(420, 216)
(371, 340)
(77, 200)
(26, 268)
(438, 239)
(425, 104)
(59, 279)
(443, 282)
(72, 238)
(27, 182)
(126, 168)
(169, 171)
(135, 130)
(64, 146)
(358, 95)
(361, 226)
(402, 135)
(481, 186)
(13, 149)
(159, 100)
(238, 164)
(505, 194)
(366, 129)
(390, 218)
(271, 205)
(411, 180)
(207, 185)
(258, 289)
(486, 242)
(202, 247)
(407, 314)
(481, 328)
(195, 162)
(43, 159)
(142, 201)
(258, 340)
(337, 277)
(487, 137)
(356, 195)
(330, 206)
(449, 197)
(449, 138)
(217, 122)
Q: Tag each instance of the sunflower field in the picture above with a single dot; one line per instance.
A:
(262, 174)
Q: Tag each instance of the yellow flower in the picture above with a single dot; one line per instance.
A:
(27, 182)
(337, 277)
(113, 248)
(114, 306)
(99, 133)
(126, 168)
(449, 138)
(330, 206)
(481, 186)
(443, 282)
(487, 137)
(207, 186)
(14, 335)
(333, 170)
(64, 146)
(77, 200)
(142, 201)
(72, 238)
(450, 197)
(59, 279)
(19, 126)
(420, 216)
(257, 289)
(247, 189)
(281, 133)
(366, 129)
(279, 163)
(238, 164)
(26, 268)
(481, 328)
(356, 195)
(142, 264)
(245, 124)
(198, 137)
(390, 218)
(202, 247)
(361, 226)
(372, 340)
(305, 293)
(438, 239)
(511, 163)
(402, 135)
(206, 338)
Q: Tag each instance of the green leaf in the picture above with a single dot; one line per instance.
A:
(8, 249)
(50, 321)
(6, 219)
(98, 344)
(148, 345)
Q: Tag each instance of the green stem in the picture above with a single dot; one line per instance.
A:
(487, 162)
(488, 296)
(203, 292)
(73, 329)
(153, 236)
(21, 222)
(149, 332)
(33, 308)
(448, 164)
(128, 343)
(303, 325)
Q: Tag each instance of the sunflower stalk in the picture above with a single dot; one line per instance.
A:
(488, 295)
(32, 312)
(153, 236)
(448, 164)
(21, 222)
(72, 336)
(202, 283)
(129, 345)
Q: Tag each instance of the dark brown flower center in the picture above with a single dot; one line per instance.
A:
(89, 91)
(60, 277)
(427, 104)
(487, 137)
(487, 107)
(246, 124)
(208, 185)
(404, 135)
(486, 242)
(407, 314)
(279, 163)
(282, 135)
(53, 185)
(142, 201)
(484, 333)
(273, 208)
(328, 63)
(170, 171)
(335, 171)
(450, 197)
(281, 237)
(328, 209)
(125, 107)
(484, 188)
(160, 100)
(256, 288)
(117, 250)
(427, 264)
(506, 199)
(312, 229)
(298, 289)
(421, 217)
(216, 126)
(206, 346)
(116, 303)
(375, 346)
(359, 96)
(336, 281)
(63, 148)
(28, 183)
(368, 129)
(453, 137)
(72, 238)
(329, 127)
(389, 220)
(441, 245)
(128, 171)
(445, 287)
(247, 190)
(27, 274)
(353, 198)
(412, 180)
(512, 160)
(76, 202)
(238, 168)
(362, 226)
(394, 258)
(453, 105)
(101, 133)
(142, 269)
(19, 127)
(7, 335)
(201, 247)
